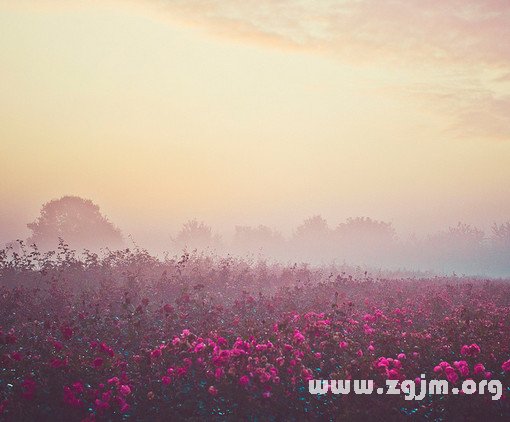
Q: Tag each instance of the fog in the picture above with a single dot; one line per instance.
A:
(353, 131)
(361, 242)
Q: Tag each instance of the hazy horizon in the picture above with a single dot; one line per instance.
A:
(248, 113)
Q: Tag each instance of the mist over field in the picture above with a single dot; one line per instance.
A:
(357, 242)
(209, 206)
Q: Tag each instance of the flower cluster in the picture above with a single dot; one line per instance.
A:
(136, 338)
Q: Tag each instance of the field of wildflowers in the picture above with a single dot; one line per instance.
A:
(127, 336)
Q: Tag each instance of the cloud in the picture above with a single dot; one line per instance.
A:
(466, 31)
(459, 48)
(468, 39)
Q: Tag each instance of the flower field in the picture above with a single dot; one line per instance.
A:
(127, 336)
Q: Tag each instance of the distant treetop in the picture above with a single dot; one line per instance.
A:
(77, 221)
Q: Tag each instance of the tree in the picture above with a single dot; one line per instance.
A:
(364, 240)
(249, 239)
(366, 231)
(313, 228)
(312, 240)
(197, 235)
(460, 248)
(77, 221)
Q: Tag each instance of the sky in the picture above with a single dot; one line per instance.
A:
(256, 112)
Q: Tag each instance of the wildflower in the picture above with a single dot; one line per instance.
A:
(479, 368)
(199, 347)
(125, 390)
(156, 353)
(472, 350)
(298, 337)
(244, 380)
(78, 387)
(451, 375)
(463, 367)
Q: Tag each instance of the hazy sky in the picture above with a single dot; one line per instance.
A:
(247, 112)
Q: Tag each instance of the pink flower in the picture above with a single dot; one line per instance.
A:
(474, 349)
(78, 387)
(360, 353)
(114, 380)
(101, 405)
(342, 344)
(97, 362)
(166, 380)
(393, 374)
(506, 366)
(306, 374)
(199, 347)
(17, 356)
(244, 380)
(451, 375)
(125, 390)
(298, 337)
(367, 329)
(156, 353)
(401, 356)
(70, 398)
(463, 367)
(213, 391)
(382, 362)
(471, 350)
(479, 368)
(124, 407)
(438, 369)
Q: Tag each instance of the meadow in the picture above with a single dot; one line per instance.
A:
(128, 336)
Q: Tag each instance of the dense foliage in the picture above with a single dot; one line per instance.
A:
(126, 336)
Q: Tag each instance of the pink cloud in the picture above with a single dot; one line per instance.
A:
(465, 31)
(440, 37)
